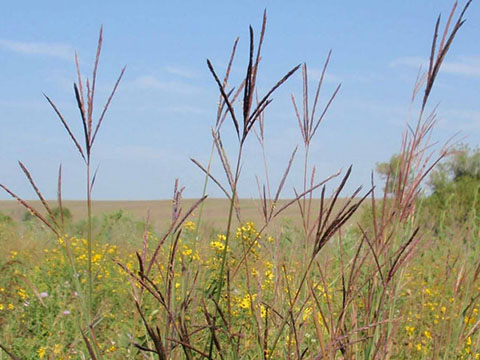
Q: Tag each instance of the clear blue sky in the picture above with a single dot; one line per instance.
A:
(166, 102)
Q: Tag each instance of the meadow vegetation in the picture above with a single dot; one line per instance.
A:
(402, 282)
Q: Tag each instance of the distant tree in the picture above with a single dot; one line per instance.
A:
(463, 164)
(455, 186)
(388, 171)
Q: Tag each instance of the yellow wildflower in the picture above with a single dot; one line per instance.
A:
(22, 294)
(186, 251)
(189, 225)
(263, 311)
(41, 352)
(245, 302)
(218, 245)
(96, 258)
(306, 313)
(410, 330)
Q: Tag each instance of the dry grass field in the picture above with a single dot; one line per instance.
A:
(215, 212)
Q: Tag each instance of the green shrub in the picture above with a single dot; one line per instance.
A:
(5, 219)
(455, 188)
(67, 214)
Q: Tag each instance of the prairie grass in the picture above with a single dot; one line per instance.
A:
(324, 287)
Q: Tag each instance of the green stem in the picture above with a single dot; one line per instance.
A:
(294, 301)
(204, 192)
(89, 243)
(224, 255)
(90, 306)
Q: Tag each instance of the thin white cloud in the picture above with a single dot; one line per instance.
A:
(152, 82)
(315, 75)
(460, 119)
(409, 61)
(23, 103)
(189, 110)
(462, 65)
(62, 51)
(366, 78)
(466, 65)
(135, 152)
(181, 71)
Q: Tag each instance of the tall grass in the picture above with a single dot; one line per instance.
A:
(85, 102)
(369, 269)
(253, 292)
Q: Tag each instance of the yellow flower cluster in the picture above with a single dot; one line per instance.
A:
(189, 226)
(219, 244)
